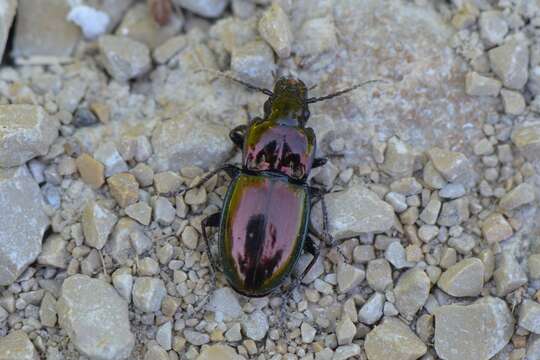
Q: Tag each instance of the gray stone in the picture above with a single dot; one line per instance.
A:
(225, 303)
(406, 186)
(398, 159)
(123, 58)
(155, 352)
(529, 316)
(308, 333)
(533, 264)
(219, 352)
(26, 131)
(349, 277)
(123, 283)
(472, 332)
(140, 211)
(167, 182)
(22, 223)
(466, 278)
(47, 310)
(495, 228)
(164, 336)
(508, 275)
(139, 25)
(454, 212)
(17, 346)
(372, 310)
(478, 85)
(164, 212)
(395, 254)
(510, 62)
(234, 333)
(275, 29)
(355, 211)
(346, 352)
(493, 27)
(345, 331)
(202, 144)
(397, 200)
(411, 292)
(316, 36)
(393, 340)
(379, 274)
(431, 212)
(254, 62)
(108, 155)
(522, 194)
(148, 293)
(7, 14)
(169, 49)
(42, 29)
(54, 252)
(205, 8)
(96, 318)
(533, 348)
(526, 137)
(97, 224)
(256, 325)
(432, 177)
(452, 165)
(513, 102)
(452, 191)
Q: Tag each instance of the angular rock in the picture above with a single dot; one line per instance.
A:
(167, 182)
(202, 144)
(527, 138)
(466, 278)
(140, 211)
(96, 318)
(496, 229)
(47, 310)
(124, 58)
(513, 102)
(316, 36)
(219, 352)
(395, 254)
(148, 293)
(372, 310)
(355, 211)
(164, 212)
(22, 224)
(452, 165)
(510, 62)
(225, 302)
(533, 349)
(256, 325)
(529, 316)
(454, 212)
(398, 159)
(17, 346)
(164, 336)
(533, 264)
(26, 131)
(379, 274)
(205, 8)
(478, 85)
(97, 224)
(54, 252)
(108, 155)
(472, 332)
(522, 194)
(349, 277)
(169, 48)
(275, 29)
(345, 331)
(308, 333)
(509, 275)
(6, 20)
(124, 189)
(123, 283)
(92, 171)
(139, 25)
(493, 26)
(393, 340)
(452, 191)
(252, 61)
(42, 29)
(411, 292)
(431, 212)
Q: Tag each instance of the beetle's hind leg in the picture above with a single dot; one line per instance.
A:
(237, 135)
(210, 221)
(311, 248)
(325, 235)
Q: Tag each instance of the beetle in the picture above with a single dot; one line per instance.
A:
(264, 221)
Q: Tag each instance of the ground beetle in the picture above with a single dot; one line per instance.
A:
(265, 215)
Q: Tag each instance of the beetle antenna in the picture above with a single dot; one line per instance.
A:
(232, 78)
(341, 92)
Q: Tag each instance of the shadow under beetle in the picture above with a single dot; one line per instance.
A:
(265, 216)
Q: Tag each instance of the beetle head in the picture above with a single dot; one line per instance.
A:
(288, 101)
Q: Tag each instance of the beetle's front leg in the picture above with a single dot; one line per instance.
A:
(230, 169)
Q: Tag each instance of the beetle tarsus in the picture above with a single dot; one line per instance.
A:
(318, 162)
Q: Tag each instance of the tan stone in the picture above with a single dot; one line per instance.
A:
(92, 171)
(124, 188)
(495, 228)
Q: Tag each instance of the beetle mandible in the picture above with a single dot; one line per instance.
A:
(265, 215)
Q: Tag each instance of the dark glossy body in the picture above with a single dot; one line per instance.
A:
(263, 227)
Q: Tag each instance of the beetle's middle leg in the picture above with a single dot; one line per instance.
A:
(230, 169)
(325, 236)
(210, 221)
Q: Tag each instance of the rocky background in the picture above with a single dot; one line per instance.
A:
(433, 178)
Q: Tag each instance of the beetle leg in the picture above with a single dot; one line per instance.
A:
(325, 236)
(318, 162)
(237, 135)
(231, 170)
(210, 221)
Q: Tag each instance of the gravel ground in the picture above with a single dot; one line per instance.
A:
(433, 181)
